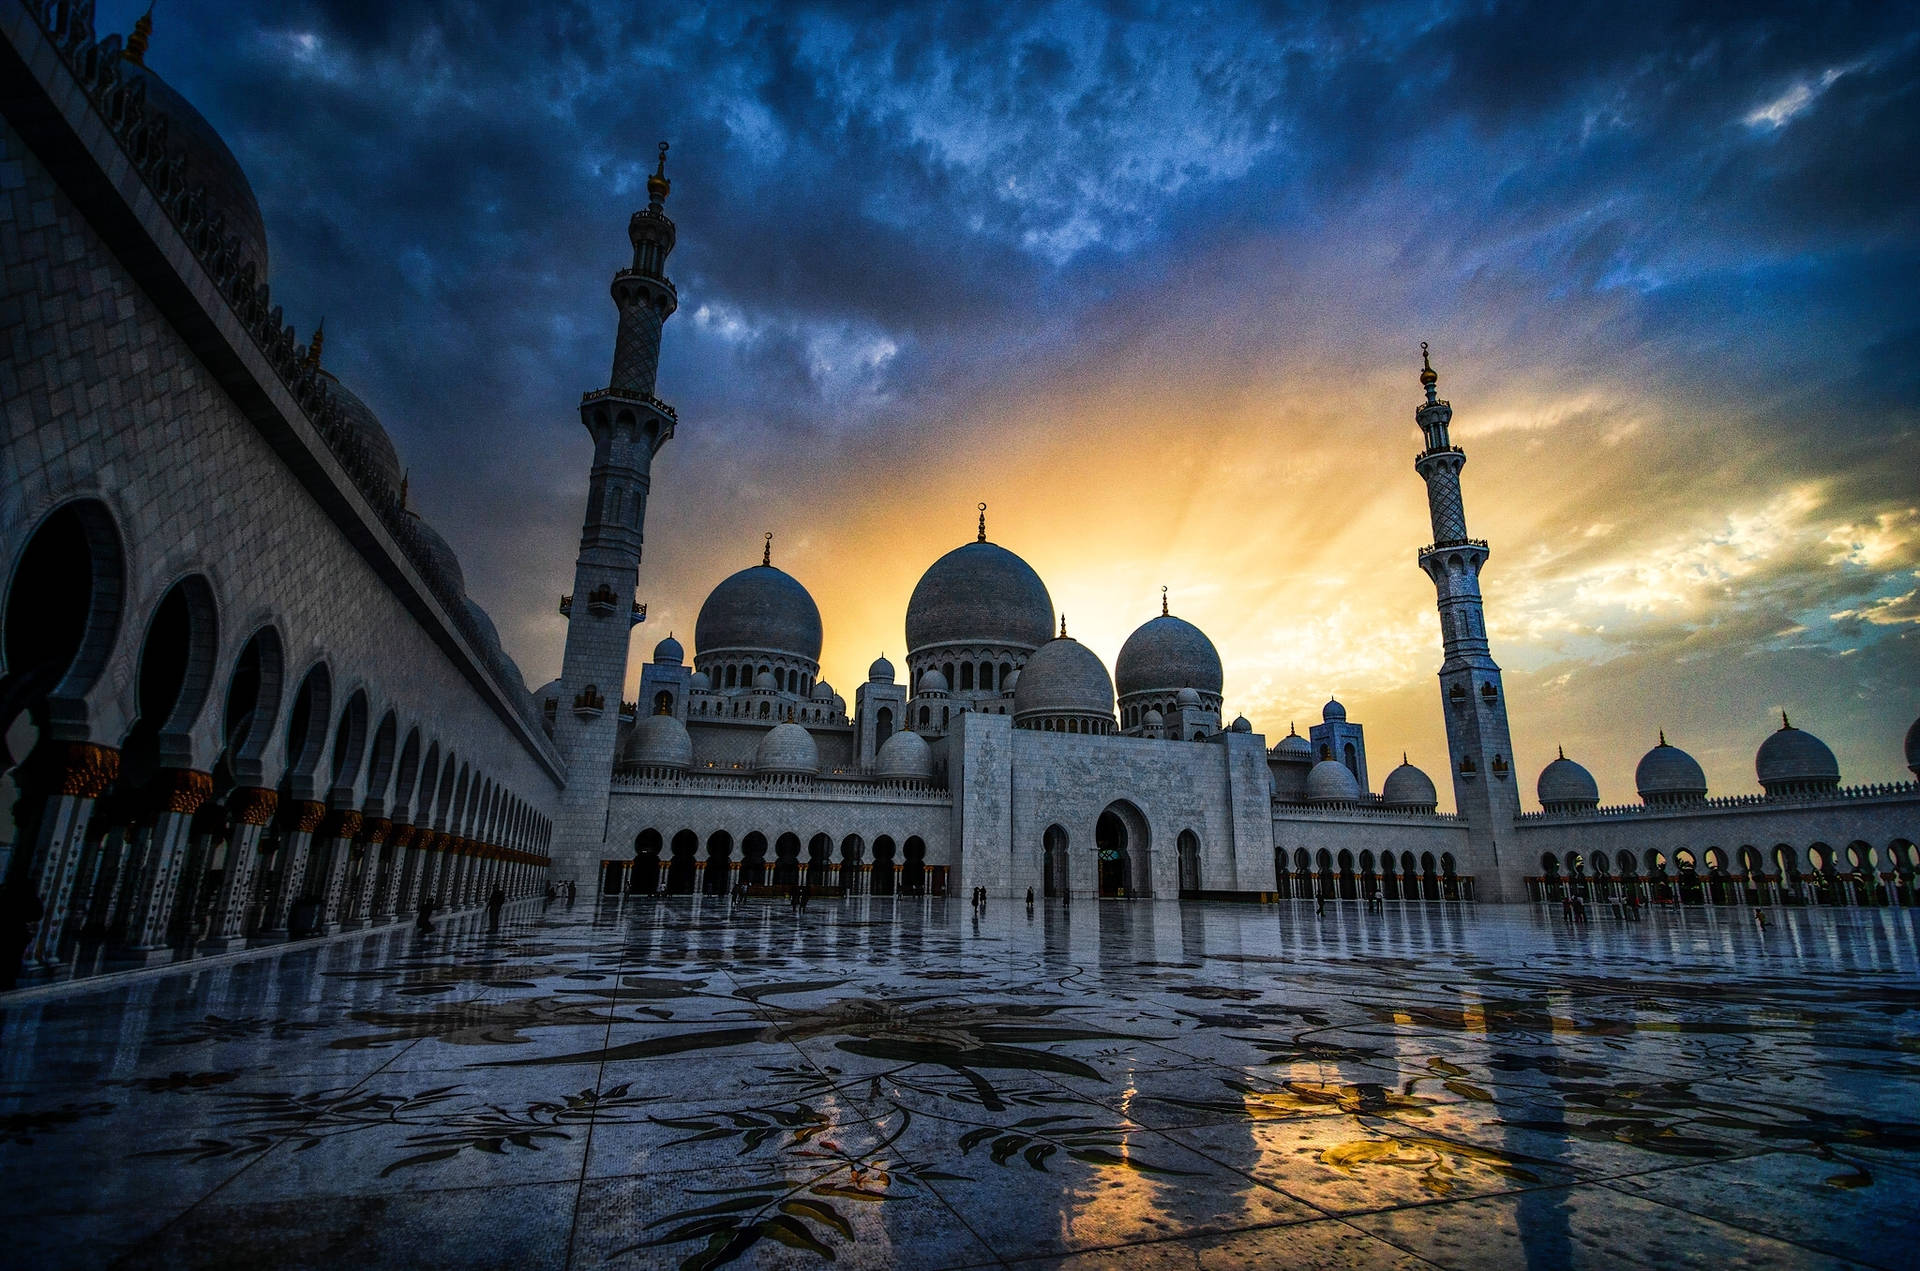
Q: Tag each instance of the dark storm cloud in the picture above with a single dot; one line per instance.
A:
(888, 211)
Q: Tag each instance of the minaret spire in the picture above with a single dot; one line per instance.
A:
(628, 425)
(1479, 741)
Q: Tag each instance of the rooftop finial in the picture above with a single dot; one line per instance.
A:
(403, 490)
(136, 50)
(766, 552)
(1163, 601)
(1784, 722)
(1290, 731)
(1063, 626)
(1403, 759)
(983, 524)
(657, 184)
(319, 338)
(1562, 750)
(1663, 736)
(1428, 376)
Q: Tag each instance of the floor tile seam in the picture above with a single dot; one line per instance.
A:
(1220, 1233)
(599, 1084)
(1717, 1221)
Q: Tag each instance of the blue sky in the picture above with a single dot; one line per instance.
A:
(1151, 280)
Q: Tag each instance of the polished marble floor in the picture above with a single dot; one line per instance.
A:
(901, 1083)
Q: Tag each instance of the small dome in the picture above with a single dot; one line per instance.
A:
(1241, 724)
(787, 749)
(365, 427)
(1794, 761)
(700, 682)
(1011, 683)
(881, 672)
(763, 682)
(1064, 677)
(1668, 774)
(669, 653)
(441, 558)
(209, 164)
(660, 741)
(1408, 787)
(1330, 781)
(551, 689)
(822, 691)
(1913, 748)
(933, 681)
(761, 609)
(905, 756)
(1333, 712)
(1565, 786)
(1167, 653)
(1186, 697)
(1294, 748)
(1153, 719)
(979, 593)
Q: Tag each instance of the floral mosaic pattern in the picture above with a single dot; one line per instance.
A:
(890, 1083)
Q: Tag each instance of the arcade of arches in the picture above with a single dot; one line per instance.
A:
(686, 862)
(127, 853)
(1857, 873)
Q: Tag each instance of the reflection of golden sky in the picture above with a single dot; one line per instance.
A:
(1280, 506)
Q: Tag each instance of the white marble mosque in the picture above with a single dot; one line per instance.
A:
(247, 697)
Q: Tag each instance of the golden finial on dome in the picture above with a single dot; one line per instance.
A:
(136, 50)
(657, 184)
(1785, 723)
(1428, 375)
(319, 339)
(1163, 601)
(766, 552)
(983, 524)
(1063, 626)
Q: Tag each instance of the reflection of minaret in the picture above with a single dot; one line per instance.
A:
(1470, 690)
(629, 424)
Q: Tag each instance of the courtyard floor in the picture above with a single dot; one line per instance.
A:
(895, 1083)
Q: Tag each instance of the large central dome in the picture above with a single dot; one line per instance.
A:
(762, 609)
(979, 594)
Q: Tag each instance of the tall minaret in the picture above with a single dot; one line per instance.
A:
(1479, 744)
(628, 424)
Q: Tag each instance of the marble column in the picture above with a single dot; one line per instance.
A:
(304, 818)
(392, 892)
(157, 881)
(336, 833)
(252, 810)
(60, 839)
(372, 841)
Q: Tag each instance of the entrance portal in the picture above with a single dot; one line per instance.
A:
(1120, 843)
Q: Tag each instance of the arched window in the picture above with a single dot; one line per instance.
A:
(966, 676)
(926, 717)
(986, 675)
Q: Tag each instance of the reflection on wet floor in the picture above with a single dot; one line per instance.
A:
(899, 1083)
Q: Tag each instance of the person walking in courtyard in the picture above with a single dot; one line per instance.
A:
(1320, 905)
(1029, 902)
(495, 903)
(423, 921)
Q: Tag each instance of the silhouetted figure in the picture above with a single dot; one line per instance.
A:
(1320, 905)
(552, 893)
(20, 913)
(495, 903)
(573, 892)
(1760, 919)
(1029, 902)
(423, 921)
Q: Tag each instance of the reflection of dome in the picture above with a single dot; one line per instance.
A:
(669, 652)
(881, 672)
(1408, 787)
(660, 741)
(1331, 781)
(1794, 761)
(209, 164)
(1333, 712)
(1165, 655)
(1668, 774)
(979, 593)
(763, 609)
(787, 749)
(933, 682)
(1294, 748)
(365, 427)
(905, 756)
(1063, 677)
(1565, 786)
(1913, 748)
(441, 558)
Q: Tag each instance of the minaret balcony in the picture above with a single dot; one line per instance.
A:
(602, 600)
(632, 399)
(589, 703)
(637, 615)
